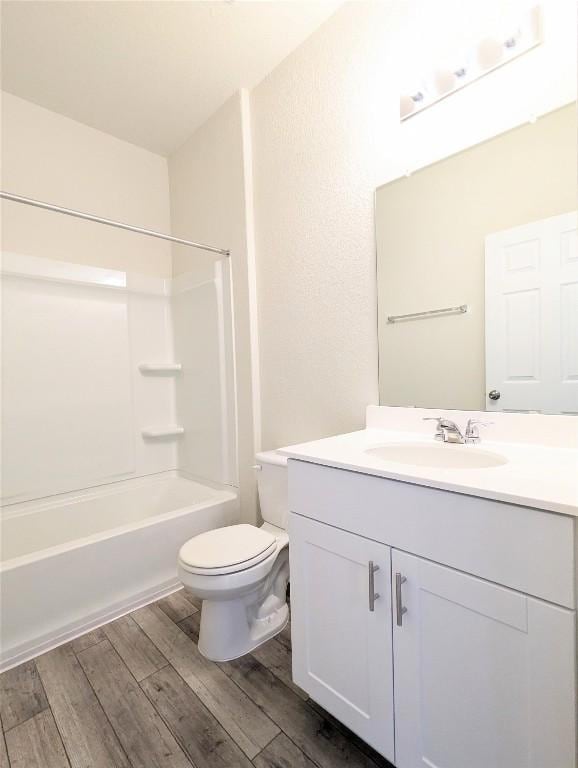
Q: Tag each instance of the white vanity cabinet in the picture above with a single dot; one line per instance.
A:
(457, 666)
(484, 676)
(342, 627)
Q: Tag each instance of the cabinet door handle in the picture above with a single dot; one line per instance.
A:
(399, 609)
(373, 595)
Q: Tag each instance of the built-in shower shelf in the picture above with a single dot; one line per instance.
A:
(160, 367)
(173, 430)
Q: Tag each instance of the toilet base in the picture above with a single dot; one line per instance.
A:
(238, 624)
(227, 631)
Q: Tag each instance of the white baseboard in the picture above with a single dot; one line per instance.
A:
(85, 624)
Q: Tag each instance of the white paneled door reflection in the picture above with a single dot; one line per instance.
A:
(532, 317)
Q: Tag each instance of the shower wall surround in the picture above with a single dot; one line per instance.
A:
(75, 401)
(201, 327)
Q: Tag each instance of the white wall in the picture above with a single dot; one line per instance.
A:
(326, 133)
(57, 160)
(315, 130)
(208, 179)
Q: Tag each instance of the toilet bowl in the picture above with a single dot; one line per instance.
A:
(241, 572)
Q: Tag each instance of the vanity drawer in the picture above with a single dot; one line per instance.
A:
(526, 549)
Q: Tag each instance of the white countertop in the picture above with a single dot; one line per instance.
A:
(535, 475)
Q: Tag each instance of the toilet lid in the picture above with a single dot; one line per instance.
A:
(234, 547)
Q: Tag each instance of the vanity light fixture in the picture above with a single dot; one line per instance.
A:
(488, 55)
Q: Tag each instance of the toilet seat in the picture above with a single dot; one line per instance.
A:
(227, 550)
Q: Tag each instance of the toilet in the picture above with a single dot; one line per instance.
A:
(241, 572)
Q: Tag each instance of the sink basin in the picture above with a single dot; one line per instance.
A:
(439, 455)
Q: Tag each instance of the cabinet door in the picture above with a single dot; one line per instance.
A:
(341, 648)
(484, 676)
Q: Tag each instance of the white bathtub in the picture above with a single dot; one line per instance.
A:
(74, 561)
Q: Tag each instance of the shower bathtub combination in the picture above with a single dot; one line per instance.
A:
(75, 561)
(118, 426)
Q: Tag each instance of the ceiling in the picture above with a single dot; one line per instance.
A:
(148, 72)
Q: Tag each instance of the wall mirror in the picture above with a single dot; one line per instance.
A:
(477, 260)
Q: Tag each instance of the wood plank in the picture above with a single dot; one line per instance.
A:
(140, 654)
(3, 753)
(352, 737)
(196, 730)
(177, 606)
(284, 637)
(277, 658)
(282, 753)
(21, 695)
(315, 736)
(146, 739)
(90, 638)
(191, 626)
(196, 601)
(274, 655)
(86, 732)
(36, 744)
(239, 716)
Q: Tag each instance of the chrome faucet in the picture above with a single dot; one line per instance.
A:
(472, 434)
(448, 431)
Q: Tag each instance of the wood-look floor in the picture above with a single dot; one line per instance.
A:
(137, 693)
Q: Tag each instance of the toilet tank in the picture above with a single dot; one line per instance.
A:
(272, 486)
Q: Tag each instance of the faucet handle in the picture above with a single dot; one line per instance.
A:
(472, 433)
(441, 420)
(478, 422)
(439, 435)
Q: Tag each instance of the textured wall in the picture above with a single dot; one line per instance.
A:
(58, 160)
(315, 124)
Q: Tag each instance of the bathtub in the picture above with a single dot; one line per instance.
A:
(75, 561)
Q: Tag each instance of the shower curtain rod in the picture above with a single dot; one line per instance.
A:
(110, 222)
